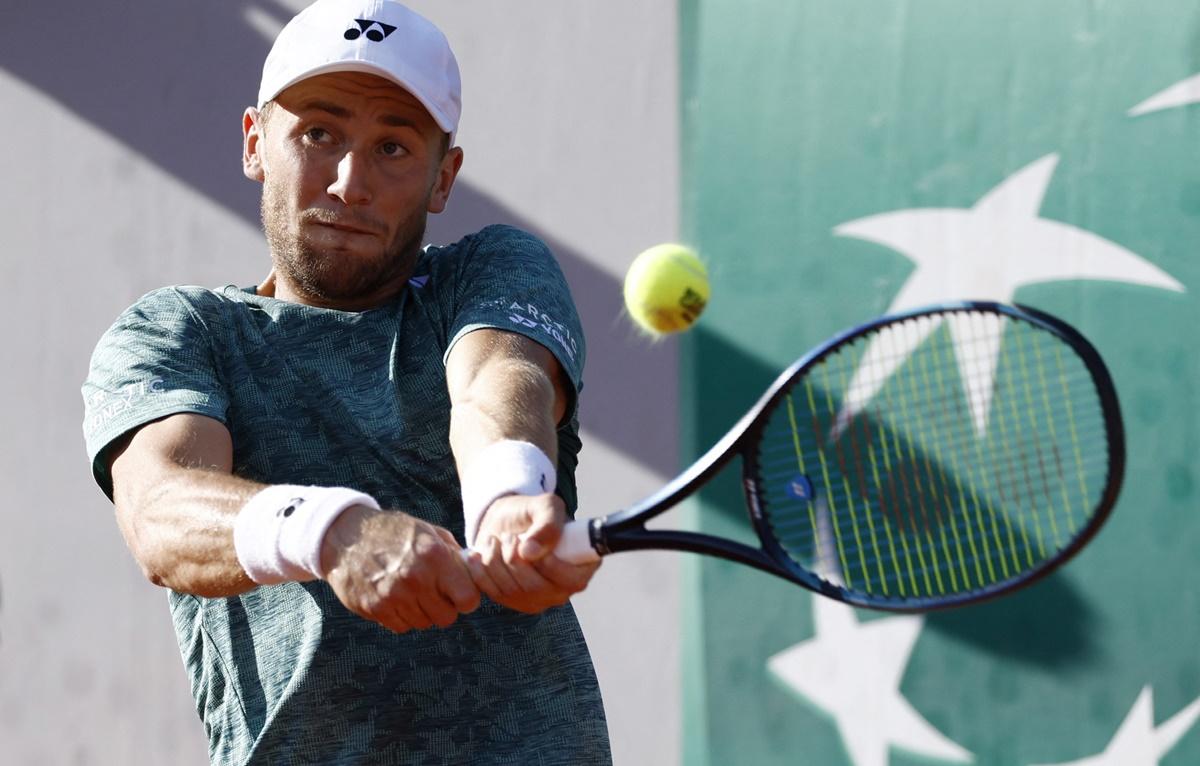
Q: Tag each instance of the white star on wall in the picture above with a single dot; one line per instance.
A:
(985, 252)
(1138, 742)
(1181, 93)
(853, 671)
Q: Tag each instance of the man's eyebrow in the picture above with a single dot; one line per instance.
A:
(396, 121)
(327, 106)
(391, 120)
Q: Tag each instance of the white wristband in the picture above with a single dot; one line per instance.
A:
(278, 532)
(503, 468)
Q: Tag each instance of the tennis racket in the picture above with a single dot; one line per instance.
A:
(928, 459)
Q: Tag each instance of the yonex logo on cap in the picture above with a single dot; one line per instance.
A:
(337, 36)
(375, 31)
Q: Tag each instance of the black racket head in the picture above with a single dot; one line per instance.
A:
(935, 458)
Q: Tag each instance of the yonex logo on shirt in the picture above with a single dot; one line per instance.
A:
(376, 31)
(102, 406)
(529, 315)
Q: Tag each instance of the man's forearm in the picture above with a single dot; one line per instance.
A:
(179, 527)
(502, 387)
(508, 399)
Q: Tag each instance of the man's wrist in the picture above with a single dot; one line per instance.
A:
(344, 532)
(279, 533)
(506, 467)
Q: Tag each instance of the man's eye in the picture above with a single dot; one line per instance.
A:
(392, 149)
(316, 135)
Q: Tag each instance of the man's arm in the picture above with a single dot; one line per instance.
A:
(177, 500)
(504, 386)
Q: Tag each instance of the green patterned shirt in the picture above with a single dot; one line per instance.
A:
(285, 674)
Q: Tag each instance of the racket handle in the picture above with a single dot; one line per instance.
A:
(575, 545)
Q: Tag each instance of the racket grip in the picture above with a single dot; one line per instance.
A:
(575, 545)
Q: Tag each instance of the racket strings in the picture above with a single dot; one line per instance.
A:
(935, 456)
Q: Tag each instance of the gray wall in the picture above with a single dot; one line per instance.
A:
(121, 173)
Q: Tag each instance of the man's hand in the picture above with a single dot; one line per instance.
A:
(513, 559)
(397, 570)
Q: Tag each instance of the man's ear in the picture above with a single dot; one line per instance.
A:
(447, 171)
(253, 163)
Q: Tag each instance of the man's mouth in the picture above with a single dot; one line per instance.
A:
(345, 227)
(346, 224)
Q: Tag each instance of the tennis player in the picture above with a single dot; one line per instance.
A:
(302, 463)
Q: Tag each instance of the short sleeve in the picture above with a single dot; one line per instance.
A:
(509, 280)
(156, 360)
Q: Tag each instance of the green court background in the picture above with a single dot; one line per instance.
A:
(800, 115)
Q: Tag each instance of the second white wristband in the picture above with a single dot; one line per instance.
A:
(506, 467)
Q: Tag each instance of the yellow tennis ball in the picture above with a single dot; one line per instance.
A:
(666, 288)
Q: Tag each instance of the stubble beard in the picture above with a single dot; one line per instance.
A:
(331, 276)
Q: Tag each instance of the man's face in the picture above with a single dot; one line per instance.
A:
(350, 164)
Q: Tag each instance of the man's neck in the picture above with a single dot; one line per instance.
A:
(283, 289)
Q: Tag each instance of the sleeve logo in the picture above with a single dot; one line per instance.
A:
(103, 406)
(527, 315)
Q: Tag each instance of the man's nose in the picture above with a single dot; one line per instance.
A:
(350, 184)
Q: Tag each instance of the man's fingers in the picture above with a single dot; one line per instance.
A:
(546, 518)
(512, 559)
(480, 575)
(537, 519)
(405, 574)
(390, 605)
(458, 584)
(492, 555)
(393, 622)
(373, 606)
(528, 579)
(446, 589)
(413, 615)
(439, 609)
(570, 577)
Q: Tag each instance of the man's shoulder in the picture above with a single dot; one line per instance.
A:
(510, 238)
(503, 232)
(498, 236)
(194, 300)
(194, 296)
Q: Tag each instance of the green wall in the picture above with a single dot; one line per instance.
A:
(802, 116)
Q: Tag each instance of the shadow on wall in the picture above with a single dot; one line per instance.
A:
(170, 80)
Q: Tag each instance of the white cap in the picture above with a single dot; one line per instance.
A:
(379, 37)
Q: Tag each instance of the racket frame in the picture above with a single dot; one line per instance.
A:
(625, 530)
